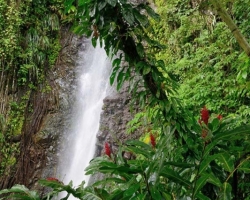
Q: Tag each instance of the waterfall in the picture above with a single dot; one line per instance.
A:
(93, 70)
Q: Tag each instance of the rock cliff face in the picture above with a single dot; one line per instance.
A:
(117, 112)
(55, 124)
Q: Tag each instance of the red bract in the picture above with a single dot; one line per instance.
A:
(52, 179)
(152, 140)
(107, 149)
(204, 115)
(219, 117)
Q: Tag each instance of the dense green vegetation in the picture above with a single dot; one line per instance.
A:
(29, 47)
(195, 103)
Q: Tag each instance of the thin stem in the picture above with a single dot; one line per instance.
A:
(236, 168)
(146, 180)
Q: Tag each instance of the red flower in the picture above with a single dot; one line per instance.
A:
(107, 149)
(204, 115)
(152, 140)
(52, 179)
(219, 117)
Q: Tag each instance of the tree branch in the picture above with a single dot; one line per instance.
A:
(232, 26)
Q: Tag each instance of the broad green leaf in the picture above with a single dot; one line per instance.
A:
(225, 192)
(142, 19)
(113, 75)
(94, 41)
(202, 196)
(174, 176)
(237, 133)
(214, 180)
(116, 194)
(245, 167)
(120, 79)
(146, 69)
(155, 193)
(140, 144)
(226, 161)
(20, 191)
(90, 196)
(137, 150)
(152, 13)
(167, 196)
(205, 163)
(68, 4)
(131, 190)
(128, 16)
(200, 183)
(215, 124)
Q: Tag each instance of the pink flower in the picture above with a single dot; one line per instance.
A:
(204, 115)
(107, 149)
(152, 140)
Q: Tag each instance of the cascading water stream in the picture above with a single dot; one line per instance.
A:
(93, 87)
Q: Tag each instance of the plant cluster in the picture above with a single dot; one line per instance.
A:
(208, 166)
(29, 46)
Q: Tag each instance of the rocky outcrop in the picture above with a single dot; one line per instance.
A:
(56, 123)
(117, 112)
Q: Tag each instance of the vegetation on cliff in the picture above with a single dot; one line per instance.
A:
(29, 47)
(193, 60)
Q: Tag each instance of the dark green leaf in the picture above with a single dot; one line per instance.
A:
(172, 175)
(225, 192)
(90, 196)
(146, 69)
(202, 196)
(214, 180)
(138, 151)
(101, 5)
(94, 41)
(140, 49)
(128, 16)
(111, 2)
(131, 190)
(200, 183)
(120, 79)
(142, 19)
(139, 144)
(155, 193)
(205, 163)
(152, 13)
(226, 161)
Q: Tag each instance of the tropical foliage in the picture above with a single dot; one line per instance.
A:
(29, 47)
(187, 61)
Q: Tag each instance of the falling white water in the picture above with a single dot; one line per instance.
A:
(93, 87)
